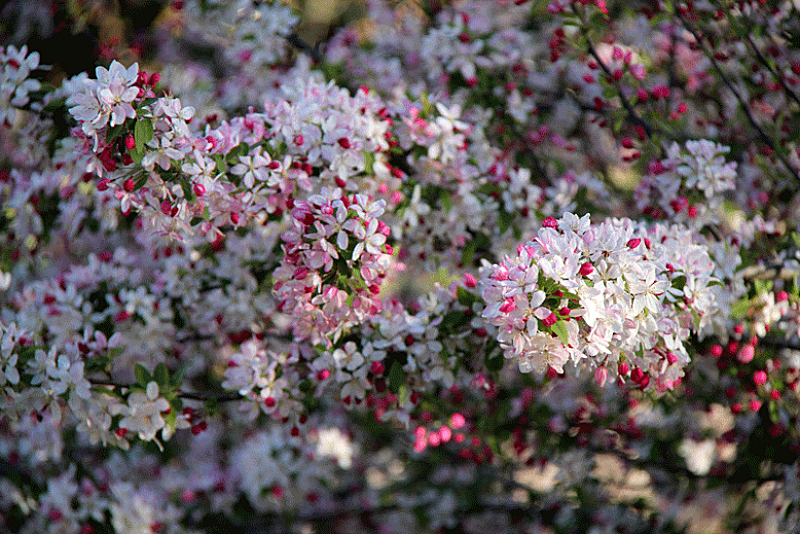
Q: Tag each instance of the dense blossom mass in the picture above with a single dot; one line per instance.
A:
(611, 295)
(463, 266)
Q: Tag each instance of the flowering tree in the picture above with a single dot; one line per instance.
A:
(491, 265)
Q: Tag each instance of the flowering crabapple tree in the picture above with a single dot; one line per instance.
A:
(469, 266)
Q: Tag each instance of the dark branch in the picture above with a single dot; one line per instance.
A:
(769, 271)
(771, 69)
(632, 115)
(192, 395)
(780, 343)
(745, 109)
(312, 51)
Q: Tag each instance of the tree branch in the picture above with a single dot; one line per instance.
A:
(191, 395)
(301, 45)
(772, 71)
(729, 84)
(632, 115)
(780, 343)
(768, 271)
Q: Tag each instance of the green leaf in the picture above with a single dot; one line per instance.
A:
(140, 182)
(188, 194)
(396, 377)
(369, 162)
(739, 29)
(114, 132)
(467, 253)
(466, 298)
(495, 363)
(446, 200)
(427, 107)
(177, 378)
(142, 375)
(403, 395)
(107, 391)
(161, 375)
(169, 418)
(142, 133)
(739, 309)
(504, 221)
(488, 189)
(455, 319)
(774, 412)
(239, 150)
(762, 286)
(569, 295)
(55, 104)
(559, 328)
(479, 243)
(679, 282)
(136, 155)
(695, 317)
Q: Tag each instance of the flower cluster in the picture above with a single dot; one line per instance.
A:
(34, 379)
(268, 380)
(143, 414)
(325, 127)
(688, 184)
(336, 257)
(277, 473)
(615, 295)
(107, 100)
(257, 31)
(483, 38)
(15, 81)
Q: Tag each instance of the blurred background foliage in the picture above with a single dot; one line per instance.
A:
(73, 36)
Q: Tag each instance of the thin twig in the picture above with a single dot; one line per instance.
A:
(191, 395)
(793, 344)
(635, 117)
(768, 271)
(312, 51)
(745, 109)
(772, 71)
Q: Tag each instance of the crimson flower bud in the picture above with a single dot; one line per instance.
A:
(760, 378)
(377, 368)
(550, 222)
